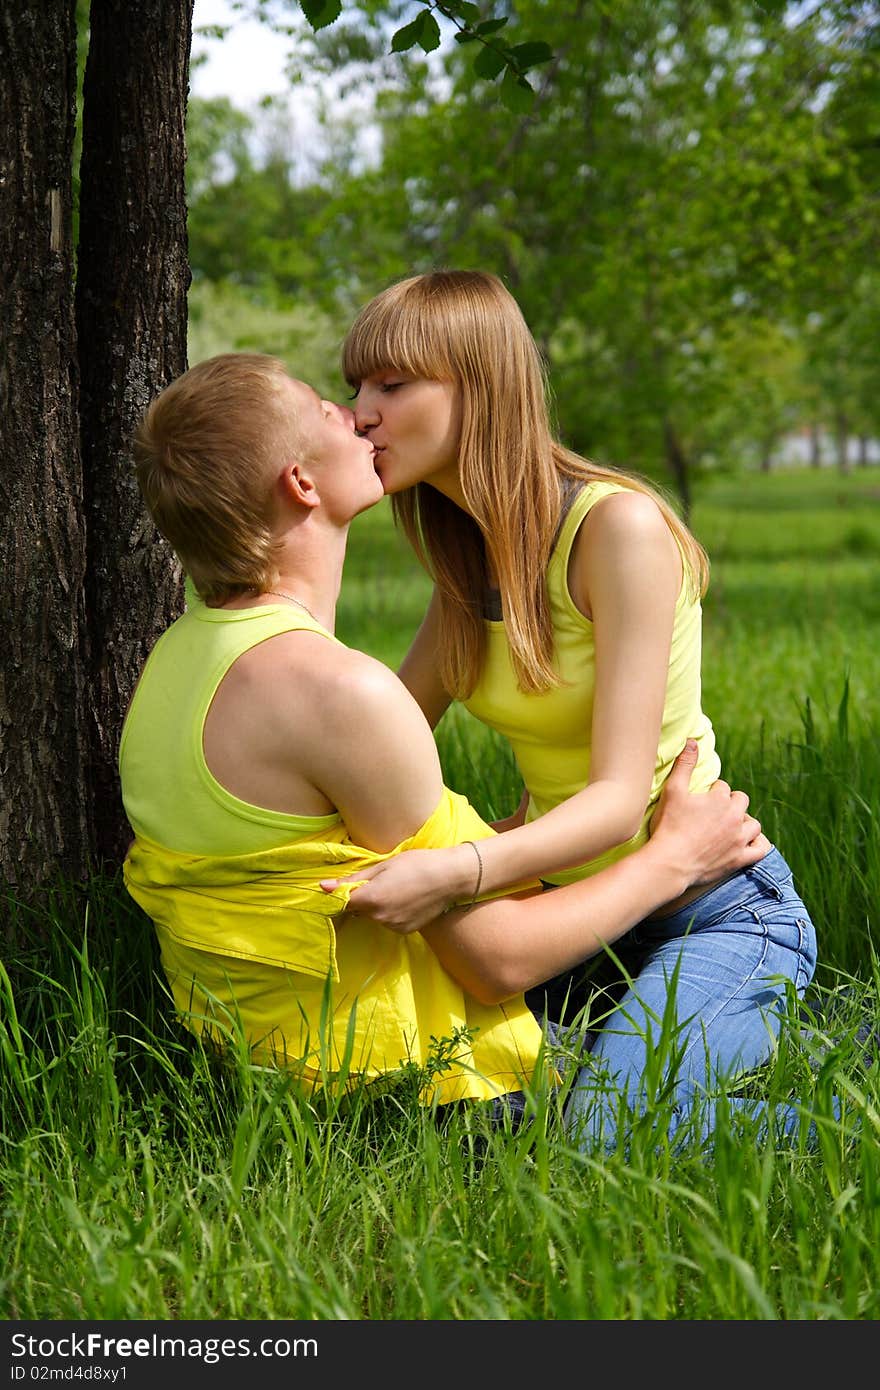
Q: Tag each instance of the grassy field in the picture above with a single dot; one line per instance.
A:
(143, 1178)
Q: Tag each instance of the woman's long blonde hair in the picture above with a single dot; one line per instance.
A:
(464, 326)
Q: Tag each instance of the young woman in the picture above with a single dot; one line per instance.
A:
(259, 754)
(566, 615)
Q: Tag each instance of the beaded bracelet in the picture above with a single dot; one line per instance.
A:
(476, 892)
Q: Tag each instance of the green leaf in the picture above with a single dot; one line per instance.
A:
(489, 62)
(462, 9)
(424, 31)
(409, 35)
(529, 55)
(489, 26)
(429, 38)
(320, 13)
(516, 93)
(465, 36)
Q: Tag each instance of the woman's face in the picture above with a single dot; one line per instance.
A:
(415, 426)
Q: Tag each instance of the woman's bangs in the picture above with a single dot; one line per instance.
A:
(393, 336)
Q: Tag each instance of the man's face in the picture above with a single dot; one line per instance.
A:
(340, 462)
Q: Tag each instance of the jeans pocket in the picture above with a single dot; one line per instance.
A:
(772, 874)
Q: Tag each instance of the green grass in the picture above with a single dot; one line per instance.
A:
(794, 603)
(143, 1177)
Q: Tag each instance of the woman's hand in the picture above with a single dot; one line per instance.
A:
(709, 833)
(412, 889)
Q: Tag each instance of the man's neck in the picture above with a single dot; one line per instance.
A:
(311, 575)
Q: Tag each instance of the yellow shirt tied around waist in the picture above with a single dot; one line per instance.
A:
(550, 733)
(252, 946)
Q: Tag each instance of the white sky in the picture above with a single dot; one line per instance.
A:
(245, 66)
(248, 64)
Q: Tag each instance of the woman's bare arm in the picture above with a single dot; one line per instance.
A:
(501, 948)
(419, 672)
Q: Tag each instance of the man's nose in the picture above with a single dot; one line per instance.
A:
(343, 412)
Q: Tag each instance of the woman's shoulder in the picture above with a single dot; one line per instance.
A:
(625, 524)
(614, 524)
(623, 509)
(588, 492)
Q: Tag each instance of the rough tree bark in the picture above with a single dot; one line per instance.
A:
(44, 786)
(131, 320)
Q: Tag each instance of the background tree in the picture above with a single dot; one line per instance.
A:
(132, 281)
(88, 585)
(44, 807)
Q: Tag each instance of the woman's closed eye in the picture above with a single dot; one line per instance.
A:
(382, 386)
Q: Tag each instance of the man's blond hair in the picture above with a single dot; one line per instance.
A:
(206, 456)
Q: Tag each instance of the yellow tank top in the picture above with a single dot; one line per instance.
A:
(550, 733)
(191, 811)
(250, 944)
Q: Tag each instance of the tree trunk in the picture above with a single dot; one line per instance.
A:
(841, 434)
(678, 465)
(44, 791)
(132, 284)
(767, 447)
(815, 447)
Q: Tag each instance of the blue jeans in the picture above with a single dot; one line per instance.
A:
(708, 988)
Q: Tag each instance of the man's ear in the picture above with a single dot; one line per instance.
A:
(298, 485)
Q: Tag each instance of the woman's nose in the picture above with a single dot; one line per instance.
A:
(347, 415)
(365, 413)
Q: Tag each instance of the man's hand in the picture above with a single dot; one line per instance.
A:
(710, 834)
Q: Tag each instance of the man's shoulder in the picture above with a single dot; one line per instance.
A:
(326, 670)
(354, 675)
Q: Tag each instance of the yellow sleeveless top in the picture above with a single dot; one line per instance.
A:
(251, 946)
(550, 732)
(169, 794)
